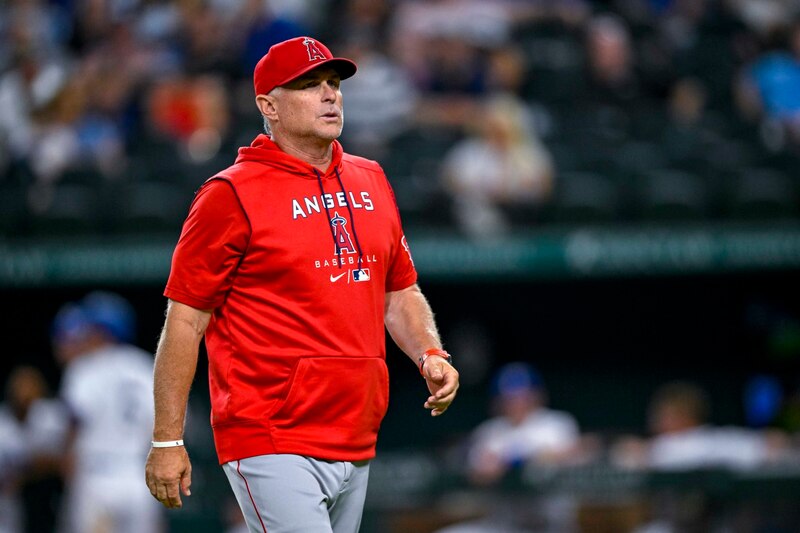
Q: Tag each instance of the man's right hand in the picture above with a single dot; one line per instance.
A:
(168, 472)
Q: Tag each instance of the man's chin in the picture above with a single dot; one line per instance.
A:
(331, 134)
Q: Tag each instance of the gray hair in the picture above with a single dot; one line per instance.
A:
(267, 128)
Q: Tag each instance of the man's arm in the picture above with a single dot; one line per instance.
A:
(409, 319)
(168, 470)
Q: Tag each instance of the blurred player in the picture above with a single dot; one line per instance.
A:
(33, 427)
(106, 385)
(682, 437)
(524, 429)
(12, 463)
(523, 433)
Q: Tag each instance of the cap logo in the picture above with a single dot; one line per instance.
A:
(313, 51)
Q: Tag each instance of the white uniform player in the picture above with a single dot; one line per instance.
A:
(108, 389)
(524, 433)
(542, 433)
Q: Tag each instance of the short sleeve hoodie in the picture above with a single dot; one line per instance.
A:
(295, 265)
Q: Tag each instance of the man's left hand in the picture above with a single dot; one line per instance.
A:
(442, 380)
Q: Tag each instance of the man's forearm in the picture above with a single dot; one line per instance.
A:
(409, 320)
(175, 366)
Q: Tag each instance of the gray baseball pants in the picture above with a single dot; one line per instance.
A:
(297, 494)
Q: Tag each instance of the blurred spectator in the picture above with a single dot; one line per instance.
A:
(29, 86)
(686, 103)
(443, 45)
(264, 27)
(107, 386)
(683, 439)
(418, 27)
(502, 166)
(523, 434)
(506, 70)
(192, 112)
(32, 432)
(309, 12)
(681, 20)
(360, 21)
(380, 100)
(610, 61)
(205, 41)
(607, 95)
(690, 127)
(96, 21)
(765, 15)
(763, 399)
(44, 25)
(99, 86)
(768, 89)
(523, 431)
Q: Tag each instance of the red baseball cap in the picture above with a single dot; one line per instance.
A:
(291, 59)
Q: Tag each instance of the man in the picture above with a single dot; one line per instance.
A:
(524, 434)
(525, 430)
(106, 388)
(293, 323)
(683, 439)
(13, 459)
(32, 431)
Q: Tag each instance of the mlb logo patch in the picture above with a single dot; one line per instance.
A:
(361, 275)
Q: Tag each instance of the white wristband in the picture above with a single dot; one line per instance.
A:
(167, 443)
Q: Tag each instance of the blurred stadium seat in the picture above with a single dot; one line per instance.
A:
(65, 209)
(585, 197)
(763, 193)
(13, 209)
(671, 195)
(152, 206)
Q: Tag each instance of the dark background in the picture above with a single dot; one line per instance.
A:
(602, 345)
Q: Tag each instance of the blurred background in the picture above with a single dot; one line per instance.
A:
(601, 199)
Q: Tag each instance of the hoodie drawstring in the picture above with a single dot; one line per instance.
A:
(352, 218)
(328, 214)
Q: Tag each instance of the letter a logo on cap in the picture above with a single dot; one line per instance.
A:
(313, 51)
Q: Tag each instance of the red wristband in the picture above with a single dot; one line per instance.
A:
(433, 351)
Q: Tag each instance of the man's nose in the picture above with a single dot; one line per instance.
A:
(328, 91)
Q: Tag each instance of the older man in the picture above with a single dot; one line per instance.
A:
(290, 263)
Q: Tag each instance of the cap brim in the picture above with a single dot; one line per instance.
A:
(344, 67)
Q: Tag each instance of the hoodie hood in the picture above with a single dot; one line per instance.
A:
(264, 150)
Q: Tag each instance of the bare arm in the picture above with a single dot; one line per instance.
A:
(175, 365)
(409, 320)
(169, 469)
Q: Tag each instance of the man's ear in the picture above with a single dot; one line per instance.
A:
(267, 105)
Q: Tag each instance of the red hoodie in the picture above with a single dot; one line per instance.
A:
(295, 265)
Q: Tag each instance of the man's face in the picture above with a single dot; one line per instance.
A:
(311, 105)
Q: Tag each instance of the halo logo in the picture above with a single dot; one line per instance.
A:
(313, 51)
(340, 235)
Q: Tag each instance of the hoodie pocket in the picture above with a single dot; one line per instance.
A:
(335, 403)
